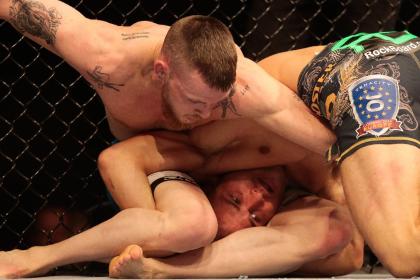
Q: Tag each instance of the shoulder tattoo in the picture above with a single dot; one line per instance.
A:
(35, 18)
(135, 35)
(227, 105)
(101, 79)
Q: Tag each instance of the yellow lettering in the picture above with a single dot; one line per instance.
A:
(329, 102)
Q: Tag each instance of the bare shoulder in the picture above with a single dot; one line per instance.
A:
(144, 24)
(149, 25)
(287, 66)
(305, 52)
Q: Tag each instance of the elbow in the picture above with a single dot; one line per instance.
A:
(108, 158)
(338, 234)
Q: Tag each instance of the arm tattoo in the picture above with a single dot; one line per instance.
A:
(227, 104)
(102, 79)
(36, 19)
(135, 35)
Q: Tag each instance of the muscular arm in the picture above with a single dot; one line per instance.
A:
(52, 24)
(276, 107)
(345, 261)
(260, 96)
(92, 47)
(124, 166)
(253, 252)
(319, 177)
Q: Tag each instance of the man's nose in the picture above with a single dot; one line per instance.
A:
(206, 114)
(257, 197)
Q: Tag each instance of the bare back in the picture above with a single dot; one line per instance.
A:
(287, 66)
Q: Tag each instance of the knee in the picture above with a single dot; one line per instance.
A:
(402, 267)
(401, 262)
(401, 254)
(192, 230)
(105, 159)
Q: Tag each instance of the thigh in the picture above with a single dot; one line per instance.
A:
(177, 198)
(382, 187)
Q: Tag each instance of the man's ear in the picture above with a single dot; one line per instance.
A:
(161, 70)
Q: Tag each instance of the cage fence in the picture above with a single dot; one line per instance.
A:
(53, 126)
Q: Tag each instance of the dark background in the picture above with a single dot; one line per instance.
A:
(52, 124)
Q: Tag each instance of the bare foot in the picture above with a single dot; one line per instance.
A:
(131, 264)
(20, 263)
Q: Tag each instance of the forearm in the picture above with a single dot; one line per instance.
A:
(276, 107)
(297, 124)
(253, 252)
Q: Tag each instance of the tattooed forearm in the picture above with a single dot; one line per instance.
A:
(135, 35)
(101, 79)
(36, 19)
(227, 104)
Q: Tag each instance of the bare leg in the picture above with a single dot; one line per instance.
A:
(307, 230)
(382, 186)
(180, 205)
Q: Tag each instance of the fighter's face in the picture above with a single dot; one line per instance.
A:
(247, 198)
(187, 99)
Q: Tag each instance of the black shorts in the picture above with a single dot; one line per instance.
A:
(368, 87)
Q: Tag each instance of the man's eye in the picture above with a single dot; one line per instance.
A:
(236, 200)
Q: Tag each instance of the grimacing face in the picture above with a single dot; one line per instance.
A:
(187, 100)
(247, 198)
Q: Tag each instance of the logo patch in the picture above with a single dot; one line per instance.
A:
(375, 101)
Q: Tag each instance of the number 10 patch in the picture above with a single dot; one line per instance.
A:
(375, 101)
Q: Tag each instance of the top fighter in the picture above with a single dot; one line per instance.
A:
(153, 76)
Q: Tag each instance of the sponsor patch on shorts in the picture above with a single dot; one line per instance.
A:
(375, 101)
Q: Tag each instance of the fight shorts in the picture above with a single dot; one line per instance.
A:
(367, 86)
(162, 176)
